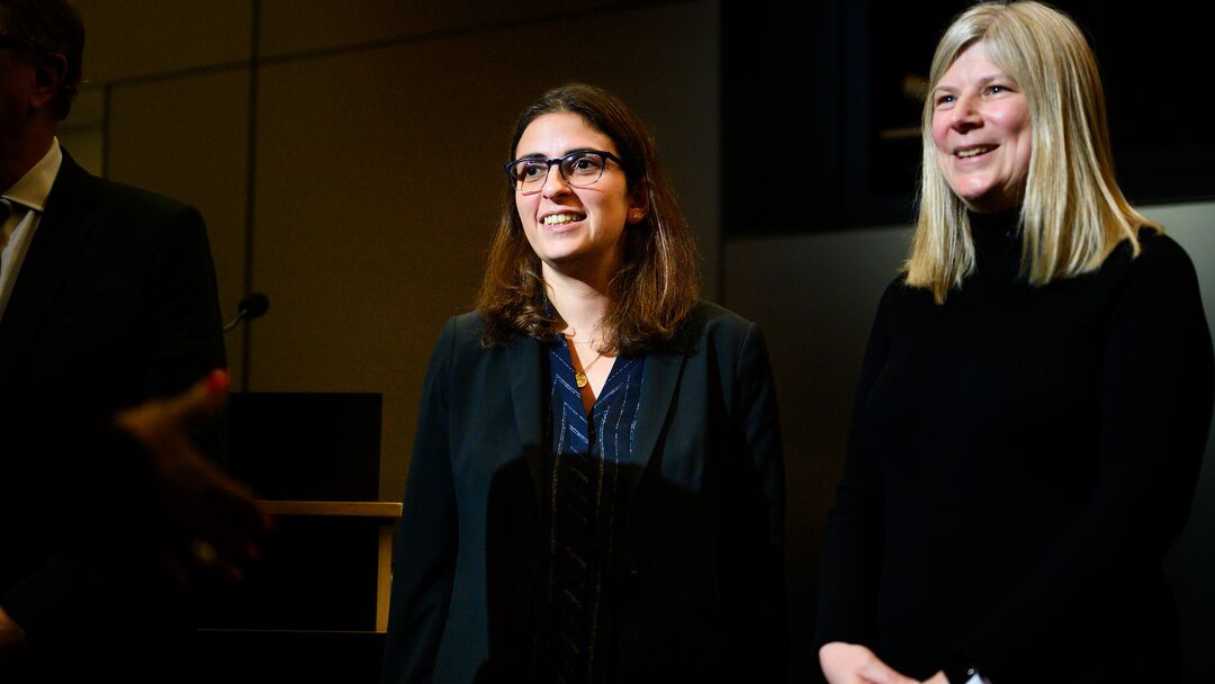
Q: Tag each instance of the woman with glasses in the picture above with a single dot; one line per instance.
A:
(596, 491)
(1035, 396)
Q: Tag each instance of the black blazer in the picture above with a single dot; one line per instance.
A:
(115, 303)
(704, 588)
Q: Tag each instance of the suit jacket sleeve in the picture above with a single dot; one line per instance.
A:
(424, 555)
(178, 340)
(110, 486)
(762, 618)
(185, 338)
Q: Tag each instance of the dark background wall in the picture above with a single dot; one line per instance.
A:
(346, 154)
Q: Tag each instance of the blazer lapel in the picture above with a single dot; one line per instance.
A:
(526, 388)
(663, 370)
(660, 378)
(51, 258)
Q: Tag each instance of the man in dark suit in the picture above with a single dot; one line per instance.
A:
(107, 299)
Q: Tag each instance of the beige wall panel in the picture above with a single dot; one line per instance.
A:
(83, 132)
(86, 145)
(126, 38)
(291, 26)
(88, 109)
(379, 177)
(187, 138)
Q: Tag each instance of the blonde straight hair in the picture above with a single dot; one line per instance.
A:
(1073, 213)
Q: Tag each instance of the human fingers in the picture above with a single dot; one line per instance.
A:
(841, 662)
(207, 559)
(158, 423)
(202, 399)
(878, 672)
(211, 506)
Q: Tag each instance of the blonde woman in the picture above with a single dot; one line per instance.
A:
(1035, 396)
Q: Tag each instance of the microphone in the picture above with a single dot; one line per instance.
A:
(254, 305)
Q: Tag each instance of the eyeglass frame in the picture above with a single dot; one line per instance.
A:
(558, 162)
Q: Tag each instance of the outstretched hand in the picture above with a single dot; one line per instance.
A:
(845, 663)
(213, 522)
(202, 522)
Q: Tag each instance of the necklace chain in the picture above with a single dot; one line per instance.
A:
(580, 378)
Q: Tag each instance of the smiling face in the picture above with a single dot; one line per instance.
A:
(981, 130)
(573, 230)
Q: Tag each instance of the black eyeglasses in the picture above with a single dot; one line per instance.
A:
(580, 168)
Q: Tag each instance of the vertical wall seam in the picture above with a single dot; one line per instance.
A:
(250, 182)
(723, 204)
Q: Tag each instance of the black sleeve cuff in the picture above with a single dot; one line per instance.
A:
(959, 673)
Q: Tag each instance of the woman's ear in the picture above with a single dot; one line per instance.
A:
(639, 205)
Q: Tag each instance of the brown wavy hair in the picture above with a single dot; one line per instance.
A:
(658, 282)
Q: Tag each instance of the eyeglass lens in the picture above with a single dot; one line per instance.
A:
(579, 169)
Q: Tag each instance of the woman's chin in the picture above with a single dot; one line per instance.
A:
(989, 202)
(986, 198)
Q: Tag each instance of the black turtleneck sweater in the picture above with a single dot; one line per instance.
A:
(1020, 460)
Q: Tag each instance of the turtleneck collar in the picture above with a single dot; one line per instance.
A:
(997, 241)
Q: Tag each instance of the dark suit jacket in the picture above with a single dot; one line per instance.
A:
(115, 303)
(702, 584)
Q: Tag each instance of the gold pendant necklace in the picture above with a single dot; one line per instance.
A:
(580, 378)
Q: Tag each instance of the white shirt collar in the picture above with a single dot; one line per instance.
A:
(31, 191)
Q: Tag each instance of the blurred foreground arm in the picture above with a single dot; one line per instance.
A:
(139, 488)
(210, 519)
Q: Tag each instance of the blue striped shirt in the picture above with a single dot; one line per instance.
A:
(585, 497)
